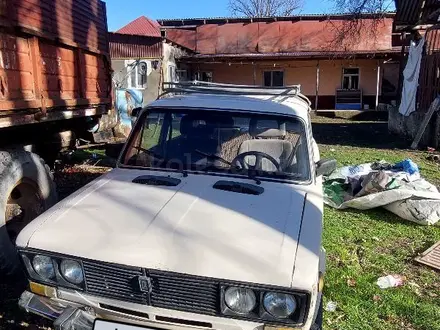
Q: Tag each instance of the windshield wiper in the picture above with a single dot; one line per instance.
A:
(151, 153)
(162, 160)
(250, 174)
(213, 156)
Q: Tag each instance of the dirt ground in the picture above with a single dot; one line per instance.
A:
(365, 134)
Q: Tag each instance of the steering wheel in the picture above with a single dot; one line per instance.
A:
(259, 156)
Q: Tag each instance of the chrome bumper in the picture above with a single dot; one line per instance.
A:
(64, 317)
(76, 314)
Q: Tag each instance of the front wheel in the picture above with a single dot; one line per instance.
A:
(26, 191)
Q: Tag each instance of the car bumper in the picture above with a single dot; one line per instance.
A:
(65, 317)
(80, 311)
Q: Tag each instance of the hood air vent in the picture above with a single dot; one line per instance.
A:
(153, 180)
(239, 187)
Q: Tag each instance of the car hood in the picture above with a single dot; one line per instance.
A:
(191, 228)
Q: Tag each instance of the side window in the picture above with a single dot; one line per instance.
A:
(151, 131)
(136, 74)
(142, 70)
(350, 78)
(273, 78)
(175, 126)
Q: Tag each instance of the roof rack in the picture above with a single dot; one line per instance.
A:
(202, 87)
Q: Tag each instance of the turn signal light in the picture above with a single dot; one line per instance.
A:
(43, 290)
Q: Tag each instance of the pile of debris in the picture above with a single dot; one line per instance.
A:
(399, 188)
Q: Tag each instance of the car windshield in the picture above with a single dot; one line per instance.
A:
(261, 145)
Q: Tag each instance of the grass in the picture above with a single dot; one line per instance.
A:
(364, 245)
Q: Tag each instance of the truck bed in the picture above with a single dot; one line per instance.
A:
(54, 61)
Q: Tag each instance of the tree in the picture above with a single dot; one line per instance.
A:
(358, 7)
(264, 8)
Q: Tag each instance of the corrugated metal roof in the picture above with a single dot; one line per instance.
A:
(141, 26)
(217, 20)
(335, 54)
(133, 46)
(285, 37)
(416, 12)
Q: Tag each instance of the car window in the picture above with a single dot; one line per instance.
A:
(233, 143)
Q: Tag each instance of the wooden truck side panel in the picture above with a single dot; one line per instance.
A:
(53, 56)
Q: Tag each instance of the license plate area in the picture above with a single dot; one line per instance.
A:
(112, 325)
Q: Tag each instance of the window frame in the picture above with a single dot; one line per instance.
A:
(129, 68)
(350, 75)
(271, 77)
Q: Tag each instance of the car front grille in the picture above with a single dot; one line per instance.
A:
(168, 290)
(113, 281)
(184, 292)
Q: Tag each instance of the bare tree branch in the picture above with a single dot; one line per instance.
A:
(351, 29)
(358, 7)
(264, 8)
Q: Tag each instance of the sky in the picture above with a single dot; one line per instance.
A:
(122, 12)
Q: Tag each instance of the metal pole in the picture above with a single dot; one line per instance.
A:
(317, 86)
(255, 73)
(377, 84)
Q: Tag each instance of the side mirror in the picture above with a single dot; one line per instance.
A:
(325, 167)
(113, 150)
(136, 111)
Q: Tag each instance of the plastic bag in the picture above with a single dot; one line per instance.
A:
(407, 165)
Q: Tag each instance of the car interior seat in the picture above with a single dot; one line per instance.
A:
(268, 137)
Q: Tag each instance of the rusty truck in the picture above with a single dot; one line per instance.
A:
(55, 87)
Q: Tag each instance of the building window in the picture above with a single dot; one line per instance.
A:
(204, 76)
(273, 78)
(350, 78)
(137, 74)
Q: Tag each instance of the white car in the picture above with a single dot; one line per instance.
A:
(211, 219)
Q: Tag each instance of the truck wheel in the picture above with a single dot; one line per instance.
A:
(26, 190)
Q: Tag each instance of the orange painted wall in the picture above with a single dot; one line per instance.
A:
(297, 72)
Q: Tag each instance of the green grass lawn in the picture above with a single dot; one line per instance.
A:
(364, 245)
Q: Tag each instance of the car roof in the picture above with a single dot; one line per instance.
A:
(283, 105)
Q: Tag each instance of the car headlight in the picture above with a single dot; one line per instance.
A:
(240, 300)
(279, 305)
(43, 266)
(72, 271)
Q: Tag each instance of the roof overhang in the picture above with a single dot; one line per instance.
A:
(189, 23)
(416, 14)
(174, 44)
(227, 58)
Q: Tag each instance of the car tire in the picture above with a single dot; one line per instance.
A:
(26, 190)
(318, 321)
